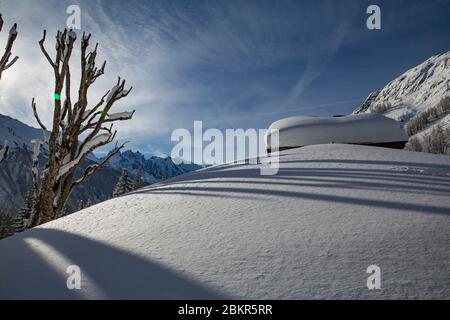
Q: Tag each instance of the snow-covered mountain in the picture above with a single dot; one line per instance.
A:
(420, 99)
(310, 231)
(155, 168)
(415, 90)
(17, 133)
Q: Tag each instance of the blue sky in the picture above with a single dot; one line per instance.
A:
(232, 64)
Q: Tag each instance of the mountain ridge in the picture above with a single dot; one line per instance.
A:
(154, 168)
(417, 89)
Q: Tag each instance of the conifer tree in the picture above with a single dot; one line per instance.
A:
(124, 185)
(81, 205)
(21, 220)
(139, 179)
(6, 228)
(84, 204)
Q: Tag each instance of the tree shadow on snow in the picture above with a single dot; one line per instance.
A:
(115, 273)
(375, 162)
(241, 182)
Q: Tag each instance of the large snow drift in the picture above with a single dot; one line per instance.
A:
(310, 231)
(302, 131)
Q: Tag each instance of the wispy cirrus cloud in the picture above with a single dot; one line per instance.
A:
(229, 63)
(185, 61)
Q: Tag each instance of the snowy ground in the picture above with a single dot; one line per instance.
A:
(309, 232)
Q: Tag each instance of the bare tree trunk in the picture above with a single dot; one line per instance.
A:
(4, 65)
(71, 121)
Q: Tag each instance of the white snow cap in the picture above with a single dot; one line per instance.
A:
(13, 30)
(120, 115)
(112, 92)
(71, 35)
(359, 128)
(87, 148)
(37, 143)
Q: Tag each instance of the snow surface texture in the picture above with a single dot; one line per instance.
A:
(310, 231)
(358, 128)
(416, 90)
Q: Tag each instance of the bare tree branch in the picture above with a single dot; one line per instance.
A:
(44, 51)
(11, 63)
(98, 105)
(33, 106)
(93, 168)
(4, 61)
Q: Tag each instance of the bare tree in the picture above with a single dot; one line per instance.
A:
(6, 225)
(4, 61)
(422, 119)
(380, 108)
(436, 140)
(6, 64)
(414, 144)
(77, 129)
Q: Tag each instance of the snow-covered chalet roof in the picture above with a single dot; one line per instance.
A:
(367, 128)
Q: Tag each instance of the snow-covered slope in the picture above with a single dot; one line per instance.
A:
(310, 231)
(367, 103)
(17, 133)
(416, 90)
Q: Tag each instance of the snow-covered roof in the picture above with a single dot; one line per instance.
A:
(311, 231)
(358, 128)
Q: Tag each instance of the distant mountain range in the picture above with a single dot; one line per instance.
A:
(15, 171)
(154, 168)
